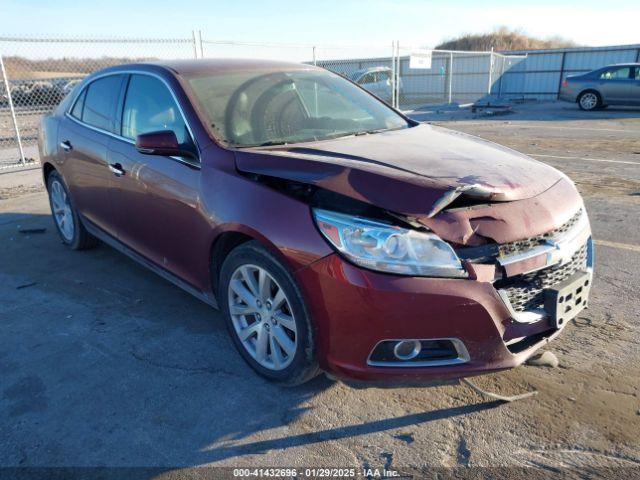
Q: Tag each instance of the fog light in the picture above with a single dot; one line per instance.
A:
(407, 349)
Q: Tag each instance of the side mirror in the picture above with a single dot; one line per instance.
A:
(164, 143)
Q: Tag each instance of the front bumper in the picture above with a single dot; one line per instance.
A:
(353, 309)
(495, 325)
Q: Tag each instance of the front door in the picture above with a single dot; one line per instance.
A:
(156, 199)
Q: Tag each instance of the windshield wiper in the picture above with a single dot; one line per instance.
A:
(378, 130)
(270, 143)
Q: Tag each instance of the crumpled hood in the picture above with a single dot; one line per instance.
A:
(415, 171)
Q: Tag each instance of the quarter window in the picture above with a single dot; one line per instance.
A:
(76, 111)
(150, 107)
(100, 102)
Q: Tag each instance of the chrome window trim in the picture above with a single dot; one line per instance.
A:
(125, 139)
(461, 349)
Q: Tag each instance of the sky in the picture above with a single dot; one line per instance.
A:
(324, 22)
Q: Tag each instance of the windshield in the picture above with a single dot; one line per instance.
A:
(255, 108)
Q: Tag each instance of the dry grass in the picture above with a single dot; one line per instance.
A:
(503, 39)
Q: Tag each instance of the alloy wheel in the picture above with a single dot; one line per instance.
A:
(62, 212)
(589, 101)
(262, 317)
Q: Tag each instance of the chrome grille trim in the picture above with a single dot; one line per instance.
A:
(525, 292)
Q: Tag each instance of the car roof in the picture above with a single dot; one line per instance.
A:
(215, 65)
(621, 65)
(206, 66)
(362, 71)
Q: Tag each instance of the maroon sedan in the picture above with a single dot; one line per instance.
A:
(333, 232)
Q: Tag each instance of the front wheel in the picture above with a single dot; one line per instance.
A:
(589, 101)
(266, 315)
(65, 217)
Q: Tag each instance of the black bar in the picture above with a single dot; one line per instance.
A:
(564, 55)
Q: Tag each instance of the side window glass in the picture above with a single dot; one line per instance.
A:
(100, 102)
(367, 79)
(76, 111)
(637, 73)
(616, 74)
(150, 107)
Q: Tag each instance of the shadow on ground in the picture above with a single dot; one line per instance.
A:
(104, 363)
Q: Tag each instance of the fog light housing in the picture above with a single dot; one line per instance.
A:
(407, 349)
(418, 353)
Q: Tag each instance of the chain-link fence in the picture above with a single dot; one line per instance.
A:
(38, 72)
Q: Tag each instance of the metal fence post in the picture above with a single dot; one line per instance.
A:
(398, 78)
(490, 71)
(450, 77)
(200, 42)
(23, 160)
(564, 54)
(393, 73)
(195, 45)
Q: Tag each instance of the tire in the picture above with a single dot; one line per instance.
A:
(264, 317)
(65, 216)
(589, 100)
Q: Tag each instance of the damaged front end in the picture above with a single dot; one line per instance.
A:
(536, 251)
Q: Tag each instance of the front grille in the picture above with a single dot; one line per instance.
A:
(529, 243)
(526, 292)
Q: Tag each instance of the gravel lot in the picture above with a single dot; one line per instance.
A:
(102, 363)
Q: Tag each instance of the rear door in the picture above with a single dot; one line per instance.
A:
(156, 199)
(615, 84)
(84, 137)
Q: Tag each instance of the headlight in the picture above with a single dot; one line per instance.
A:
(388, 248)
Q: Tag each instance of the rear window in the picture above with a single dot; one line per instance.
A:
(100, 101)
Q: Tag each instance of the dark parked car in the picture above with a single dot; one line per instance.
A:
(611, 85)
(333, 232)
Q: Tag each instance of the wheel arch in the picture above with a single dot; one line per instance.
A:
(47, 168)
(587, 90)
(230, 237)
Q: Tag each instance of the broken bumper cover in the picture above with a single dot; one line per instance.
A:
(354, 309)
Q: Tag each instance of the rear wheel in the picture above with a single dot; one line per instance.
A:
(589, 100)
(266, 315)
(65, 216)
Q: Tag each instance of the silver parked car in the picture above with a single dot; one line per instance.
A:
(377, 80)
(611, 85)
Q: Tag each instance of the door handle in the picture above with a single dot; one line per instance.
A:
(117, 169)
(66, 145)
